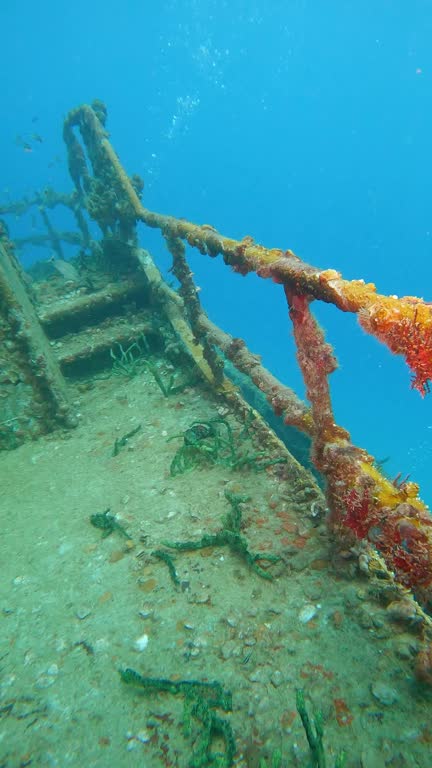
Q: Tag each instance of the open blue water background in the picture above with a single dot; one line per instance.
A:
(304, 123)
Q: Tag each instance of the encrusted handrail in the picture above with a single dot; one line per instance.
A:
(363, 503)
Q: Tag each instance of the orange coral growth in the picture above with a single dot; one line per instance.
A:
(406, 328)
(389, 515)
(395, 521)
(401, 535)
(403, 324)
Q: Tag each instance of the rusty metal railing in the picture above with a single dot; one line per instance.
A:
(364, 504)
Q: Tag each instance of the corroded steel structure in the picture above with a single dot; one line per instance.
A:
(385, 522)
(364, 504)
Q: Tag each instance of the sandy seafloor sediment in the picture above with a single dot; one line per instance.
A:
(74, 605)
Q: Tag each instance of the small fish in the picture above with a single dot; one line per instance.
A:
(37, 137)
(66, 269)
(20, 142)
(107, 523)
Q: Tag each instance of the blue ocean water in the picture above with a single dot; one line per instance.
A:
(306, 124)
